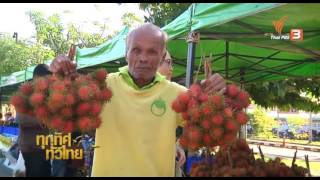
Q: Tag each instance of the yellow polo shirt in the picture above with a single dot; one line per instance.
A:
(137, 134)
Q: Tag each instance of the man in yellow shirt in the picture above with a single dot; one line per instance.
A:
(137, 134)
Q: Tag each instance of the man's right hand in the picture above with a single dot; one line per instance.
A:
(63, 64)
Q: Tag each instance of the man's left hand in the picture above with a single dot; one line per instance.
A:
(214, 83)
(181, 156)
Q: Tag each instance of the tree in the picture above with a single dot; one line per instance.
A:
(287, 94)
(262, 124)
(130, 19)
(85, 39)
(49, 31)
(163, 13)
(39, 54)
(297, 122)
(18, 56)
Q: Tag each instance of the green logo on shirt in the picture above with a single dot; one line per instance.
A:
(158, 107)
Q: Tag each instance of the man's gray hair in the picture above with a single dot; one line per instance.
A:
(148, 26)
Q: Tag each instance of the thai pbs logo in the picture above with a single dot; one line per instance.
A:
(294, 35)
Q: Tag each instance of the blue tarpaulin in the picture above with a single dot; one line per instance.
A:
(11, 131)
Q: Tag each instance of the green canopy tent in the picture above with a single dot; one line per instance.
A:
(238, 36)
(110, 55)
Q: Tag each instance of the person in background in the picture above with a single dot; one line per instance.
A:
(9, 118)
(34, 157)
(165, 68)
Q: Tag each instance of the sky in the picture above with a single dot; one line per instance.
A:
(13, 16)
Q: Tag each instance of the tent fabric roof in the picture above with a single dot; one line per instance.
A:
(113, 49)
(206, 15)
(241, 34)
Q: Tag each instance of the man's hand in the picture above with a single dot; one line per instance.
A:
(214, 83)
(181, 156)
(63, 64)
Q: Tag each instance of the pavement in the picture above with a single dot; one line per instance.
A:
(286, 152)
(312, 148)
(5, 171)
(6, 167)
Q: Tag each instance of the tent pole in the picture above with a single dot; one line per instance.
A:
(310, 126)
(192, 39)
(227, 60)
(0, 100)
(0, 96)
(243, 129)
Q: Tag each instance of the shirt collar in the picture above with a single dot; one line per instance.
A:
(124, 72)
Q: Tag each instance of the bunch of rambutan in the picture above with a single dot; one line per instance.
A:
(63, 103)
(211, 119)
(238, 160)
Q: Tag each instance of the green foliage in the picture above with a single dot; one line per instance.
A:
(163, 13)
(286, 94)
(85, 39)
(49, 31)
(297, 121)
(130, 19)
(303, 136)
(18, 56)
(5, 141)
(262, 124)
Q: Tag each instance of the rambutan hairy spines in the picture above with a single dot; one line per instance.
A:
(84, 123)
(83, 108)
(26, 88)
(18, 101)
(41, 84)
(57, 122)
(97, 122)
(36, 99)
(211, 119)
(70, 99)
(100, 75)
(232, 90)
(57, 97)
(106, 94)
(64, 103)
(241, 117)
(85, 93)
(68, 127)
(42, 113)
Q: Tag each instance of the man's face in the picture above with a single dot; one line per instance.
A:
(144, 53)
